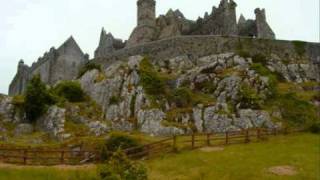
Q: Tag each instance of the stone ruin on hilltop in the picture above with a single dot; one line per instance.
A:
(221, 21)
(164, 37)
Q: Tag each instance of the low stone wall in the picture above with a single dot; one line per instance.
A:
(198, 46)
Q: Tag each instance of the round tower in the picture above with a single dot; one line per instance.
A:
(146, 12)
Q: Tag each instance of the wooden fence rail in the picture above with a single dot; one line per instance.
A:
(28, 156)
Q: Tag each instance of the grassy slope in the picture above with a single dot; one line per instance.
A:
(235, 162)
(243, 161)
(47, 173)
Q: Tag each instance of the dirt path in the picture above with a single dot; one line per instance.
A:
(60, 167)
(283, 170)
(211, 149)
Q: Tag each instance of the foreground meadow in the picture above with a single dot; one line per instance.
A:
(301, 152)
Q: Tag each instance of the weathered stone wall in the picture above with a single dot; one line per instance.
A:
(222, 20)
(198, 46)
(58, 64)
(107, 44)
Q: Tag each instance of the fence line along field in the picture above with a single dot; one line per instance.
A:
(49, 156)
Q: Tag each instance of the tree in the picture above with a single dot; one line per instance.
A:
(37, 99)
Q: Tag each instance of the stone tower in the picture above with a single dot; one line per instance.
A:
(146, 27)
(146, 13)
(263, 28)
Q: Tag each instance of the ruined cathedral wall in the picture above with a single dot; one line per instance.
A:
(67, 64)
(19, 83)
(61, 64)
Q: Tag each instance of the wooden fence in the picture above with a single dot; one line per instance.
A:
(29, 156)
(199, 140)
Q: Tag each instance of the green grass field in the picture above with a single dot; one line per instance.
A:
(246, 161)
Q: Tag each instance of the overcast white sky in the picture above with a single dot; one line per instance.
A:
(28, 28)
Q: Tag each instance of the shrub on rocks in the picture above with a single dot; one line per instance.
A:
(70, 90)
(88, 67)
(152, 83)
(250, 99)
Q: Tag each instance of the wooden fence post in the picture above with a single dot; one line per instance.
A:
(174, 145)
(208, 139)
(227, 137)
(274, 131)
(25, 153)
(247, 136)
(62, 157)
(148, 151)
(192, 141)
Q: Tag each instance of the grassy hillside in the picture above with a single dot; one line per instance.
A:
(247, 161)
(244, 161)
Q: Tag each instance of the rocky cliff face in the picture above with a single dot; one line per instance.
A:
(220, 82)
(180, 95)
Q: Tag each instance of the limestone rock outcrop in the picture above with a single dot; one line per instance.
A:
(53, 121)
(221, 76)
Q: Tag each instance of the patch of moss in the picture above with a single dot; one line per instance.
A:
(18, 100)
(243, 53)
(88, 67)
(76, 129)
(132, 105)
(177, 114)
(259, 58)
(100, 77)
(182, 97)
(249, 97)
(206, 87)
(300, 47)
(89, 109)
(295, 112)
(152, 83)
(202, 98)
(114, 100)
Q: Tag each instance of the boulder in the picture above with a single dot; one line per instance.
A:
(197, 117)
(253, 119)
(23, 129)
(149, 122)
(134, 62)
(180, 63)
(228, 88)
(98, 128)
(216, 121)
(6, 109)
(53, 121)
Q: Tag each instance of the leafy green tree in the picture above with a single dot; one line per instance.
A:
(37, 99)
